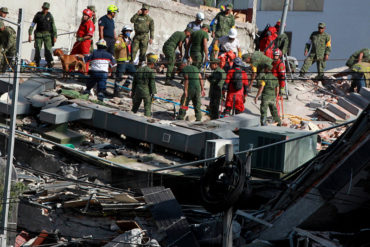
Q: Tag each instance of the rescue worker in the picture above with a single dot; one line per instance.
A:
(197, 24)
(236, 85)
(227, 48)
(193, 90)
(267, 40)
(4, 12)
(224, 21)
(216, 80)
(169, 49)
(278, 70)
(143, 87)
(282, 41)
(122, 53)
(247, 58)
(93, 9)
(45, 32)
(7, 46)
(144, 33)
(107, 28)
(100, 61)
(359, 56)
(84, 34)
(320, 44)
(357, 62)
(198, 46)
(258, 60)
(269, 89)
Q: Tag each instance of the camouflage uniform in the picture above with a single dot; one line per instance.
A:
(143, 26)
(45, 33)
(320, 45)
(270, 82)
(196, 50)
(224, 24)
(260, 61)
(143, 88)
(282, 42)
(193, 92)
(8, 47)
(169, 49)
(353, 59)
(217, 80)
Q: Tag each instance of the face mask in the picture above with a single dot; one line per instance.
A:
(128, 34)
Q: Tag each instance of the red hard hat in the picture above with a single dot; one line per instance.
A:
(277, 52)
(88, 12)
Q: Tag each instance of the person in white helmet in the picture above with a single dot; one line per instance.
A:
(228, 43)
(197, 24)
(123, 53)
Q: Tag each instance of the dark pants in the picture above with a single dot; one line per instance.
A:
(358, 81)
(123, 68)
(97, 77)
(110, 44)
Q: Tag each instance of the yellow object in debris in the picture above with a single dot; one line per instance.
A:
(32, 64)
(295, 119)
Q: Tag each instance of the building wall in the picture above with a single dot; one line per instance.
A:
(347, 22)
(169, 16)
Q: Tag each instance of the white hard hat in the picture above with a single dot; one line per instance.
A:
(200, 16)
(233, 33)
(127, 28)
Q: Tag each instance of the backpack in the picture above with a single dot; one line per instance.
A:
(238, 79)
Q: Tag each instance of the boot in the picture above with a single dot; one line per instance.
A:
(264, 121)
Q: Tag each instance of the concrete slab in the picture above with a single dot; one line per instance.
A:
(346, 104)
(328, 115)
(39, 101)
(339, 111)
(365, 92)
(65, 137)
(357, 99)
(23, 107)
(64, 114)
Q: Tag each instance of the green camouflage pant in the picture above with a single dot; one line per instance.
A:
(269, 103)
(140, 41)
(6, 59)
(197, 58)
(194, 97)
(169, 52)
(136, 102)
(320, 63)
(214, 103)
(43, 37)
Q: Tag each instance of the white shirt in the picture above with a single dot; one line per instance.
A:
(225, 44)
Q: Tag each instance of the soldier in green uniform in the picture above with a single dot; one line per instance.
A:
(269, 88)
(143, 86)
(362, 55)
(45, 32)
(4, 12)
(169, 48)
(217, 80)
(144, 32)
(320, 44)
(193, 89)
(224, 21)
(7, 46)
(198, 46)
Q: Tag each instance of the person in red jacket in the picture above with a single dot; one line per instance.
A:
(236, 85)
(267, 42)
(84, 34)
(278, 69)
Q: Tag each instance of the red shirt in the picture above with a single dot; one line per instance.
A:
(278, 69)
(86, 28)
(229, 78)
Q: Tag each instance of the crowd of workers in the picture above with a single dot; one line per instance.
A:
(230, 80)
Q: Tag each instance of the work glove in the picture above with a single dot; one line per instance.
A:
(282, 91)
(80, 39)
(216, 48)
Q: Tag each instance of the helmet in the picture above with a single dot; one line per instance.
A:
(102, 42)
(151, 58)
(200, 16)
(87, 12)
(238, 61)
(233, 33)
(112, 8)
(126, 28)
(278, 52)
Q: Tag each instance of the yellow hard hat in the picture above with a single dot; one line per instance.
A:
(112, 8)
(151, 58)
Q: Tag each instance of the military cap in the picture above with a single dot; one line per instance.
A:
(92, 8)
(151, 58)
(46, 5)
(188, 29)
(229, 6)
(214, 60)
(2, 24)
(206, 26)
(145, 6)
(4, 10)
(322, 25)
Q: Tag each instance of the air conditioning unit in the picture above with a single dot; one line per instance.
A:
(281, 158)
(216, 148)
